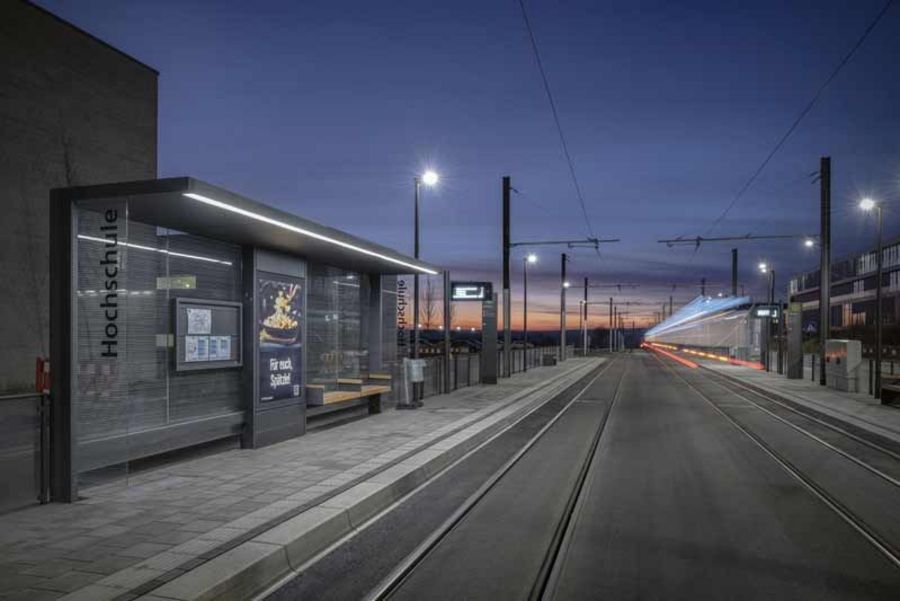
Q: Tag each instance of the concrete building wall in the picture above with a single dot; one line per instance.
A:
(73, 111)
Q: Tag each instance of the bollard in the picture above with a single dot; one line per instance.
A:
(871, 373)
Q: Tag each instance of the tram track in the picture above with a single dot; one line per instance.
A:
(662, 495)
(395, 580)
(863, 527)
(748, 394)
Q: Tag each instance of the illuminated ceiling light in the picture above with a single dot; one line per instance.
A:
(867, 204)
(297, 230)
(531, 258)
(430, 178)
(473, 329)
(163, 251)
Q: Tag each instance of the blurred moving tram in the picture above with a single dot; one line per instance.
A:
(723, 326)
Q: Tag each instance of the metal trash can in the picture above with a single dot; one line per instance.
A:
(413, 374)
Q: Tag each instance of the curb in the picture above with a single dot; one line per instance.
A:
(251, 566)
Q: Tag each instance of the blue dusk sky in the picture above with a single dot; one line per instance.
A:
(328, 109)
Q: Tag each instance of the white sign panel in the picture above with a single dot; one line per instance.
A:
(199, 321)
(219, 348)
(196, 348)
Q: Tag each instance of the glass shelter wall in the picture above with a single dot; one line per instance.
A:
(337, 325)
(128, 401)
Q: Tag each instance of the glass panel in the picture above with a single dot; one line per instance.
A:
(207, 269)
(128, 275)
(353, 355)
(322, 327)
(337, 324)
(100, 404)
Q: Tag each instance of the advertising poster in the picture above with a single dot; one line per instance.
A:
(280, 315)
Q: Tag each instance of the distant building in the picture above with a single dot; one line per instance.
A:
(73, 111)
(853, 284)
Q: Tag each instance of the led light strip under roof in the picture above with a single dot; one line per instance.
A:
(298, 230)
(158, 250)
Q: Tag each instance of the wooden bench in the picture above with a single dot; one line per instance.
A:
(351, 384)
(368, 396)
(379, 378)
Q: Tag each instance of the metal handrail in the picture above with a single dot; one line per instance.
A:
(20, 395)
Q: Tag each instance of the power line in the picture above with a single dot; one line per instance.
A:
(562, 138)
(803, 113)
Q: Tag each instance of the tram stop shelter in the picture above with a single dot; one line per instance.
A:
(184, 314)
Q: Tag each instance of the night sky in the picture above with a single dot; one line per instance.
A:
(328, 109)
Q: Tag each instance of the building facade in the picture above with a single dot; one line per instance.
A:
(73, 111)
(853, 284)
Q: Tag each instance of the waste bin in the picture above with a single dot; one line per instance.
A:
(413, 379)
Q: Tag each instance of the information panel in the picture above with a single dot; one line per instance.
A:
(471, 291)
(207, 334)
(280, 334)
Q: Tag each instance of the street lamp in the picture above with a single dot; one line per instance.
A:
(429, 178)
(867, 204)
(764, 268)
(809, 243)
(531, 259)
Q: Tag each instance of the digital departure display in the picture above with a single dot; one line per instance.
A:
(471, 291)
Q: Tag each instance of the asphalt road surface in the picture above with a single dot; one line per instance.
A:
(657, 482)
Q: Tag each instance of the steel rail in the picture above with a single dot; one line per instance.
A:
(883, 546)
(399, 574)
(719, 378)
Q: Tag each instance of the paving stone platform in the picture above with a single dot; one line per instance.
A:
(153, 532)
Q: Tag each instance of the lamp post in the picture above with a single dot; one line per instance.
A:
(763, 268)
(531, 259)
(867, 204)
(429, 178)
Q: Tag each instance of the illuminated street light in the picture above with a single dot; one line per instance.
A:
(566, 284)
(867, 204)
(531, 259)
(430, 178)
(765, 269)
(809, 243)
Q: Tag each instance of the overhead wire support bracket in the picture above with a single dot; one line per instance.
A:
(698, 240)
(583, 243)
